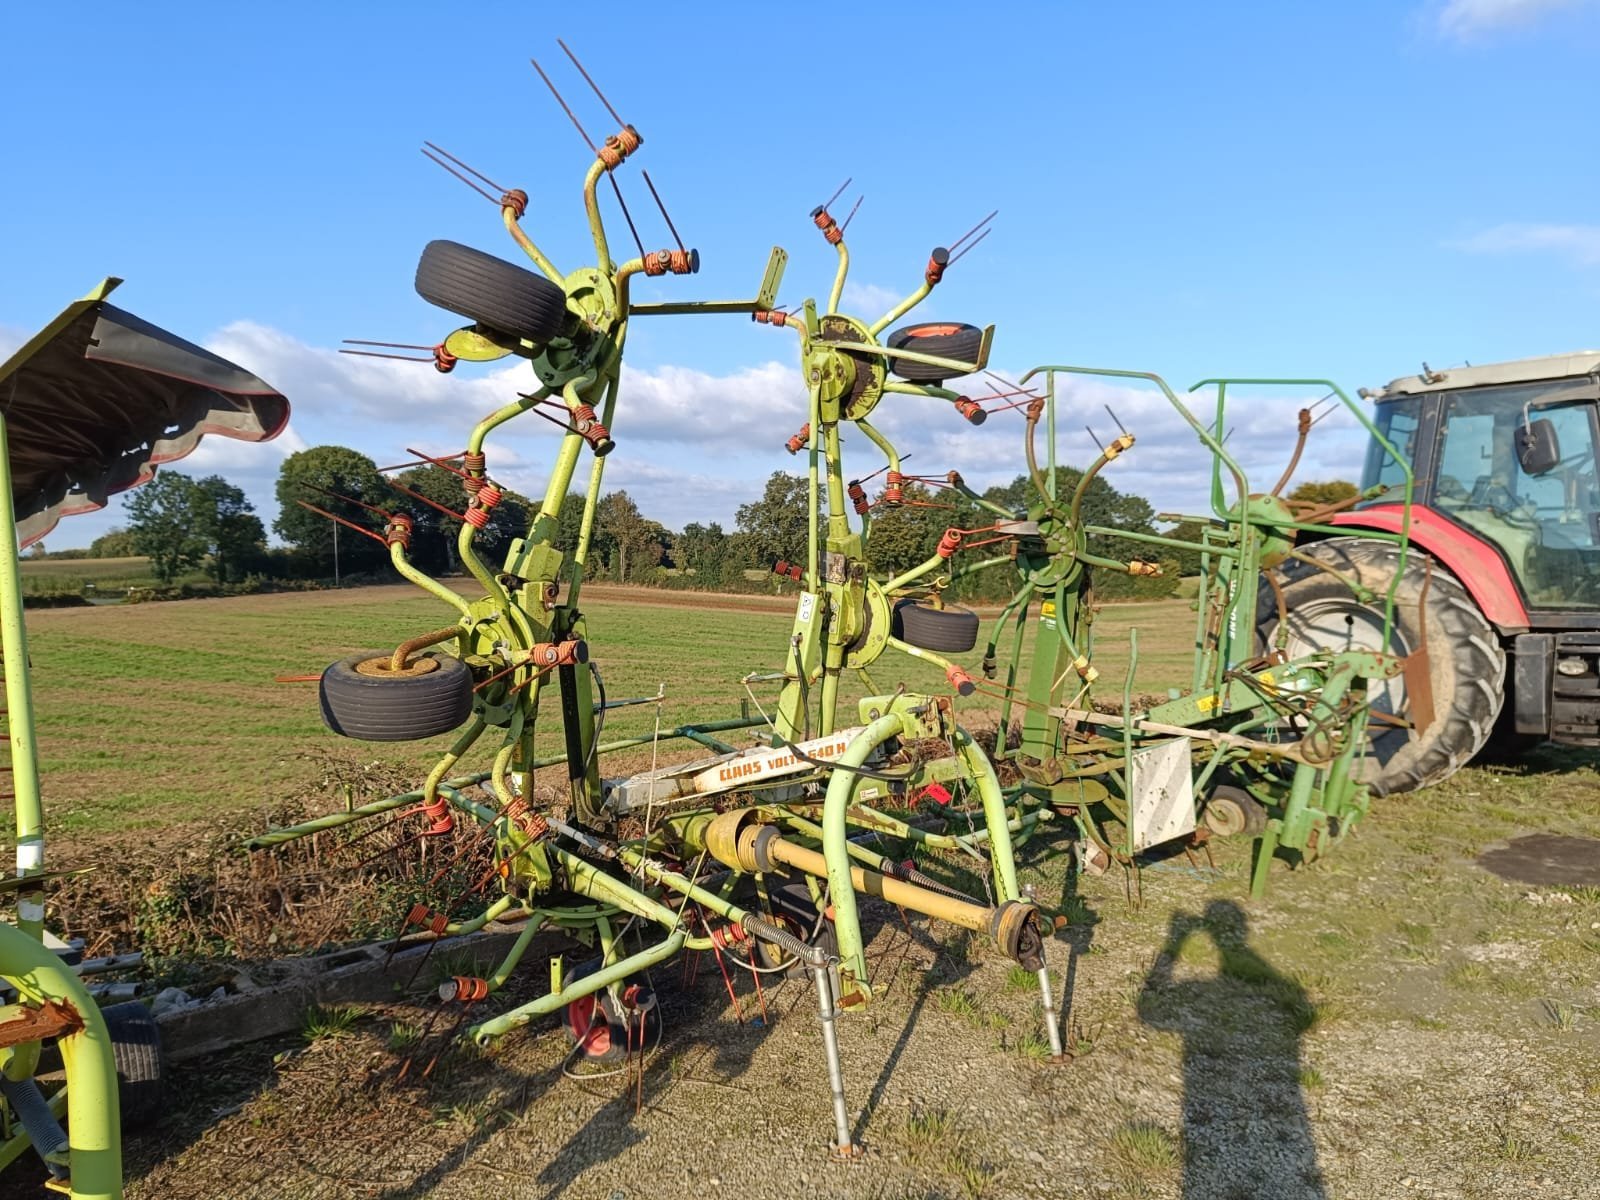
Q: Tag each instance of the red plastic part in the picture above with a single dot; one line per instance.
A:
(1470, 559)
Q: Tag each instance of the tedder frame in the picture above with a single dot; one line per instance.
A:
(699, 852)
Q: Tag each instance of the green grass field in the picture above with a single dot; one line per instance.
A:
(55, 576)
(151, 713)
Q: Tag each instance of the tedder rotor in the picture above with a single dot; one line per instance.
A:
(762, 852)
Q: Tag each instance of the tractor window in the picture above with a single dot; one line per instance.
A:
(1397, 421)
(1547, 525)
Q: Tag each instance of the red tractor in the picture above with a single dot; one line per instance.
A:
(1498, 600)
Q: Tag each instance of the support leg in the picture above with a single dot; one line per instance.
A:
(844, 1148)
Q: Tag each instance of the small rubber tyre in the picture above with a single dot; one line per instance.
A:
(1233, 812)
(363, 699)
(1467, 664)
(502, 297)
(136, 1045)
(598, 1026)
(790, 907)
(948, 339)
(951, 630)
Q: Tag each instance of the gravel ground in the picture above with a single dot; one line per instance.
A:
(1395, 1021)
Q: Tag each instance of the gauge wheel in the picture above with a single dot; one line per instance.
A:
(136, 1046)
(599, 1027)
(500, 296)
(1233, 812)
(947, 339)
(790, 907)
(950, 630)
(362, 698)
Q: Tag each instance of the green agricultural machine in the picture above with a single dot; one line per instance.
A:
(759, 854)
(92, 405)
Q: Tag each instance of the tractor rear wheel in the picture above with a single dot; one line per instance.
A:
(1466, 663)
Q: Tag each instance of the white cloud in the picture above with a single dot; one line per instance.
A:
(1465, 20)
(1580, 243)
(693, 446)
(868, 301)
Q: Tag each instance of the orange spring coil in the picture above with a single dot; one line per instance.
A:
(892, 492)
(858, 497)
(474, 464)
(438, 813)
(478, 514)
(949, 543)
(443, 361)
(516, 200)
(468, 989)
(398, 531)
(798, 442)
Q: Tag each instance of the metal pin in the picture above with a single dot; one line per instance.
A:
(495, 200)
(958, 257)
(564, 107)
(590, 82)
(851, 217)
(396, 357)
(1094, 439)
(663, 209)
(626, 215)
(1120, 425)
(464, 167)
(836, 195)
(955, 245)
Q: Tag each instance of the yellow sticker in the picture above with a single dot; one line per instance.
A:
(1206, 703)
(1047, 609)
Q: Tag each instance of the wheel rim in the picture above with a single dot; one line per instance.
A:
(592, 1035)
(1225, 817)
(1321, 626)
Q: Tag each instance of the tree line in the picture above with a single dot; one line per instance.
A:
(184, 525)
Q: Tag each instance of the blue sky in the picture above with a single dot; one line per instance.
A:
(1337, 190)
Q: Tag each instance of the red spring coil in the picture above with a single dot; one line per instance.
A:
(437, 924)
(443, 361)
(417, 916)
(833, 235)
(858, 496)
(893, 492)
(488, 496)
(476, 517)
(728, 935)
(971, 410)
(474, 464)
(788, 570)
(821, 217)
(798, 442)
(516, 200)
(468, 989)
(961, 681)
(438, 814)
(937, 262)
(949, 543)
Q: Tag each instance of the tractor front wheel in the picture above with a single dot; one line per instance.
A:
(1466, 663)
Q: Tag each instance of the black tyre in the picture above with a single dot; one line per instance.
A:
(498, 295)
(951, 630)
(1467, 664)
(1233, 812)
(948, 339)
(362, 698)
(136, 1045)
(603, 1029)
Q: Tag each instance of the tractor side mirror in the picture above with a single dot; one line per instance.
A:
(1538, 449)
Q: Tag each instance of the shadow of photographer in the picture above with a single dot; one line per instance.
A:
(1246, 1130)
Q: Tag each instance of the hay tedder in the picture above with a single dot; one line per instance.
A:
(759, 854)
(89, 407)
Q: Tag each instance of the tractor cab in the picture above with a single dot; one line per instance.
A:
(1508, 454)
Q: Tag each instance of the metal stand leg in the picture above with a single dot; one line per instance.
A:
(1051, 1023)
(843, 1147)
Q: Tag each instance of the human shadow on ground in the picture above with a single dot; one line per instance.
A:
(1246, 1130)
